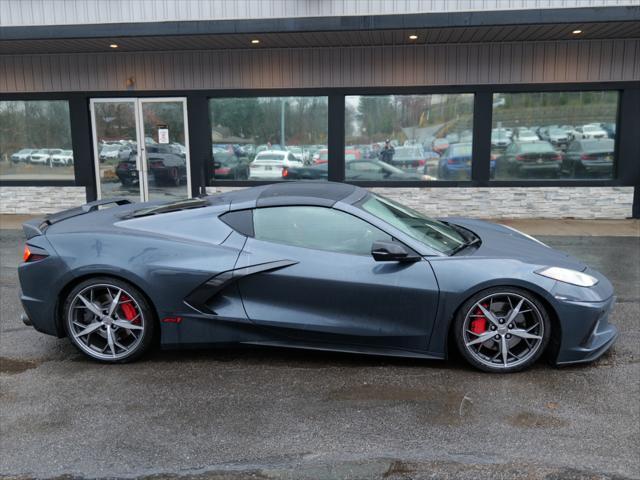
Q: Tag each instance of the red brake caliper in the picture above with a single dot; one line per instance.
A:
(128, 309)
(479, 324)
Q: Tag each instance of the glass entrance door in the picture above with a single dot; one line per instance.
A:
(141, 148)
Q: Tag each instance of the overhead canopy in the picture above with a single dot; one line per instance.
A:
(430, 28)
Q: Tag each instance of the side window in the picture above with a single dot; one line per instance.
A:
(316, 227)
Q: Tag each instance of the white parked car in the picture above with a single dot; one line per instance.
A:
(297, 152)
(269, 164)
(64, 158)
(592, 131)
(526, 135)
(43, 156)
(22, 155)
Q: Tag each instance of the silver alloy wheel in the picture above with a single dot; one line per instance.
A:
(503, 330)
(106, 322)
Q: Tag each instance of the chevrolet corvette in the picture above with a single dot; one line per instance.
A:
(310, 265)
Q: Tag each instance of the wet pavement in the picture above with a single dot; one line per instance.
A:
(274, 413)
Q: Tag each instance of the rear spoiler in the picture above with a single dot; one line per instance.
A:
(36, 227)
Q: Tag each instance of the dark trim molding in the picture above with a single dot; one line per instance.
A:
(541, 16)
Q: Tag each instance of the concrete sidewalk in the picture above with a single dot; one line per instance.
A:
(533, 226)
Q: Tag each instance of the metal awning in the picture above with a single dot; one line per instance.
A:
(432, 28)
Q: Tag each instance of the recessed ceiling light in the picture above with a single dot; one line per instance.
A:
(577, 31)
(413, 37)
(114, 45)
(255, 41)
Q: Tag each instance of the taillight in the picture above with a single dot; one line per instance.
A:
(29, 256)
(558, 157)
(451, 161)
(422, 163)
(285, 172)
(519, 158)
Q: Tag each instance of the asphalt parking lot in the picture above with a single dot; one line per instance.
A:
(271, 413)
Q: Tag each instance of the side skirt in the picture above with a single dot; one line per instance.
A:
(362, 350)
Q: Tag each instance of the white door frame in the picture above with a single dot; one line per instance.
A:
(141, 160)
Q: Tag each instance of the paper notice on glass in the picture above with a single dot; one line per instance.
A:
(163, 135)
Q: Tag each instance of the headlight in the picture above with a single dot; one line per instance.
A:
(568, 276)
(525, 235)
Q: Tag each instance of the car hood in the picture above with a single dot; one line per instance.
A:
(499, 241)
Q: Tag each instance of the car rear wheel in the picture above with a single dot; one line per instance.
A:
(502, 330)
(109, 320)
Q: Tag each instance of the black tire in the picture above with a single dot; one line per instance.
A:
(458, 329)
(148, 322)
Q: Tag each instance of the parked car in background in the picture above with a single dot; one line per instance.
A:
(412, 157)
(557, 137)
(115, 152)
(297, 152)
(610, 128)
(499, 138)
(371, 170)
(526, 135)
(592, 131)
(588, 156)
(62, 159)
(22, 155)
(522, 158)
(455, 162)
(127, 173)
(321, 156)
(167, 164)
(269, 164)
(229, 166)
(43, 156)
(439, 145)
(363, 170)
(569, 131)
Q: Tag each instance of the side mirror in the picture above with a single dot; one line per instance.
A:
(385, 251)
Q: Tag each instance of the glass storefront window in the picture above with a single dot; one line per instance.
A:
(408, 137)
(35, 140)
(268, 138)
(554, 135)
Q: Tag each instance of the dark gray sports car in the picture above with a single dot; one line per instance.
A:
(311, 265)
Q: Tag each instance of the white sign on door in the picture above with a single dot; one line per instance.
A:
(163, 135)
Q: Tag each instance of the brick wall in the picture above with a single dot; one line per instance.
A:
(529, 202)
(37, 200)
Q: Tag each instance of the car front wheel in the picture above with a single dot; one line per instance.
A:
(109, 320)
(502, 330)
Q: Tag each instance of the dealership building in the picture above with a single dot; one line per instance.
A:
(483, 108)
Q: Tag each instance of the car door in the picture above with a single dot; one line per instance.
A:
(326, 288)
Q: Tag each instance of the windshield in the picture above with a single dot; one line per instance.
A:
(435, 234)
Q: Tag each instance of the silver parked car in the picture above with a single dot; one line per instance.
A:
(43, 156)
(64, 158)
(22, 155)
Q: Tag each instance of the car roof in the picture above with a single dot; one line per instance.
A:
(294, 193)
